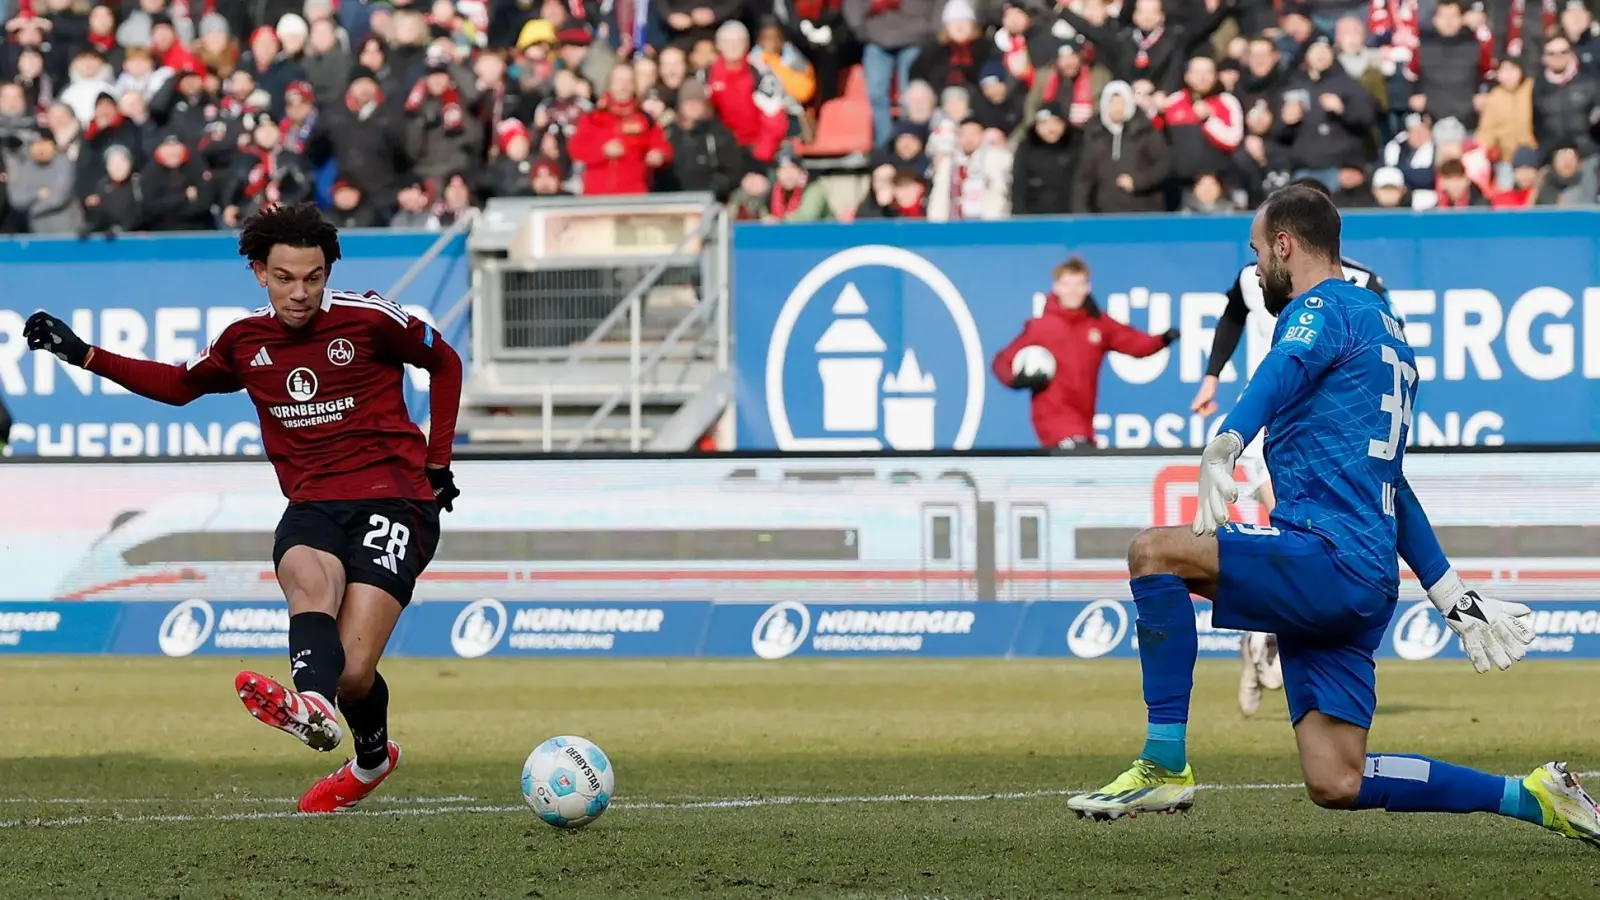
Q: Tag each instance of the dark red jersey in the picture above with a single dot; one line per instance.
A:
(330, 394)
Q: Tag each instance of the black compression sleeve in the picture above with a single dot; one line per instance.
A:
(1229, 329)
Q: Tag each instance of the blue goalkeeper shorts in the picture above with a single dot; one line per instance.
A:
(1288, 582)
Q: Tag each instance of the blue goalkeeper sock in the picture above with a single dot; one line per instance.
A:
(1168, 647)
(1406, 783)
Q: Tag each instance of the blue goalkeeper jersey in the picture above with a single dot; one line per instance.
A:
(1335, 394)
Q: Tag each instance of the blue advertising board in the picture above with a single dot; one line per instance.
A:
(165, 298)
(789, 628)
(202, 628)
(880, 336)
(85, 628)
(1098, 629)
(492, 628)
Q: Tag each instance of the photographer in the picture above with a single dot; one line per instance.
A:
(1059, 354)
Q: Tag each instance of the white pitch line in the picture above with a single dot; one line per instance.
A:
(485, 809)
(243, 801)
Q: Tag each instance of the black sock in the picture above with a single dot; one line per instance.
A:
(368, 719)
(316, 657)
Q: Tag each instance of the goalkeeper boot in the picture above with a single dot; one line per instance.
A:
(1145, 787)
(308, 716)
(1568, 809)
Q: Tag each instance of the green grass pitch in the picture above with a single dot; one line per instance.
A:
(135, 778)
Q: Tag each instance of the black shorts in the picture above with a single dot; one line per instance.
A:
(384, 543)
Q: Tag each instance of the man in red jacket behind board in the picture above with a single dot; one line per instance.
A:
(618, 144)
(1073, 332)
(325, 370)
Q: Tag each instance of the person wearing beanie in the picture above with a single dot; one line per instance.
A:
(107, 129)
(217, 49)
(959, 52)
(351, 208)
(265, 59)
(113, 203)
(705, 155)
(547, 179)
(441, 136)
(510, 175)
(365, 135)
(177, 189)
(292, 32)
(1041, 172)
(134, 32)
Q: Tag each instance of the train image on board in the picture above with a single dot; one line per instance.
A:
(811, 533)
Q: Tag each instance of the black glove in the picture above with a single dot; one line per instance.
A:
(1032, 382)
(1169, 336)
(445, 491)
(46, 332)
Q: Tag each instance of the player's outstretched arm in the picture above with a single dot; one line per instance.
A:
(421, 345)
(1490, 630)
(175, 385)
(1230, 328)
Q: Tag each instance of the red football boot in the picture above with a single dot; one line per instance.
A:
(343, 789)
(309, 717)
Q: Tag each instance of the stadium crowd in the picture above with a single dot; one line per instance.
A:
(170, 115)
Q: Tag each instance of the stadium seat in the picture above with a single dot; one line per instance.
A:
(855, 84)
(844, 126)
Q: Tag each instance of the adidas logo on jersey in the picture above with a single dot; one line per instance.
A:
(261, 358)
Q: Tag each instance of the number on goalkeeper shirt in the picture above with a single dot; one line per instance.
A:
(1397, 404)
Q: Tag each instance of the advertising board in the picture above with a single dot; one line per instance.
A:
(166, 298)
(880, 336)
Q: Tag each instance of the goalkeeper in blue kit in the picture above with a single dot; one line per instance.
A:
(1335, 394)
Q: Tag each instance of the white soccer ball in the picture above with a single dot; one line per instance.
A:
(1034, 360)
(568, 781)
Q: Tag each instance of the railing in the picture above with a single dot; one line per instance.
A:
(456, 229)
(632, 306)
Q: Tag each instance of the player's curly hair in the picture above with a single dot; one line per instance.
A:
(300, 225)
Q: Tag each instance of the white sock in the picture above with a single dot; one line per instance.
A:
(368, 776)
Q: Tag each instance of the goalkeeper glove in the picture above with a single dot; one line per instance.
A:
(1217, 487)
(46, 332)
(1490, 629)
(445, 491)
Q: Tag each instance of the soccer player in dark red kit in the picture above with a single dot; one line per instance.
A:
(325, 370)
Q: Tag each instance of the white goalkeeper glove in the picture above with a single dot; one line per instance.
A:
(1217, 487)
(1490, 629)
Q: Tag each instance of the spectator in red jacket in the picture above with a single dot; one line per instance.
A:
(748, 100)
(1073, 331)
(1203, 124)
(619, 146)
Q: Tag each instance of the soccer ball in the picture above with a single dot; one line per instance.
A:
(1034, 361)
(568, 781)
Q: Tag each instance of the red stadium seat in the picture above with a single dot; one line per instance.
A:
(844, 126)
(855, 84)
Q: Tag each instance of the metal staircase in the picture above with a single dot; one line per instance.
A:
(598, 325)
